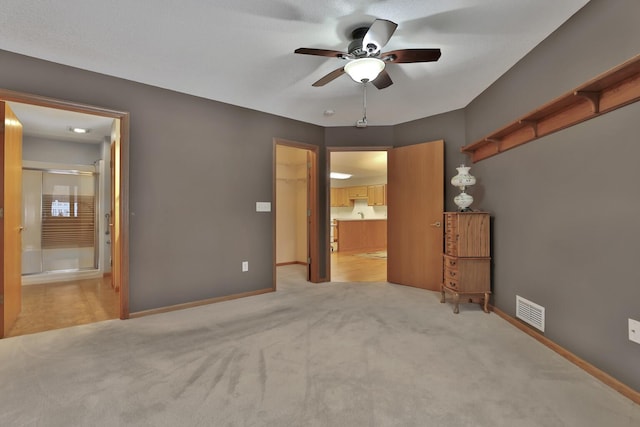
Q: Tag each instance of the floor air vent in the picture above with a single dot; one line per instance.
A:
(530, 312)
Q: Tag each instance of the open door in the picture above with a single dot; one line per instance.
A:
(312, 217)
(10, 218)
(290, 241)
(414, 215)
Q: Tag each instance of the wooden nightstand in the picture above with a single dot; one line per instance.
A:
(466, 260)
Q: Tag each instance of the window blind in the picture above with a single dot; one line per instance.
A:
(68, 221)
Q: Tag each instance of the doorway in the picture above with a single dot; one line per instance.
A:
(296, 211)
(358, 215)
(414, 197)
(107, 241)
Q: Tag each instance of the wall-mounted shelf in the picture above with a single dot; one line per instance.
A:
(614, 89)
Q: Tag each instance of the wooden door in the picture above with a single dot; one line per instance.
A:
(415, 203)
(10, 218)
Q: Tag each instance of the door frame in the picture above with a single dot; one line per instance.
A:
(313, 268)
(328, 186)
(122, 231)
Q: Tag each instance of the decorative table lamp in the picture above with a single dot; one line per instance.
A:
(462, 181)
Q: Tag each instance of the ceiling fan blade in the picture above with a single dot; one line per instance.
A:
(329, 77)
(378, 35)
(411, 55)
(383, 80)
(322, 52)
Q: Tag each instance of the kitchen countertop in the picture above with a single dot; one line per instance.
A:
(363, 219)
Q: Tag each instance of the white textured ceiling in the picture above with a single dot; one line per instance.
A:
(50, 123)
(241, 51)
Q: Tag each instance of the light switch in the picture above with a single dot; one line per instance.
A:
(634, 331)
(263, 206)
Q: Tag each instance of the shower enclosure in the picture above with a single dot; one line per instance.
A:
(60, 221)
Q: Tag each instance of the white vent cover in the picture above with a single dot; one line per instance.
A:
(530, 312)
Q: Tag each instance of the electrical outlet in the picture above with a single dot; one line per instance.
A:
(245, 266)
(634, 331)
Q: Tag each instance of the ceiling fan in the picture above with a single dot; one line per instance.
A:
(366, 63)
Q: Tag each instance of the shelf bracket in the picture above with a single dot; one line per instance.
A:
(592, 96)
(533, 124)
(497, 142)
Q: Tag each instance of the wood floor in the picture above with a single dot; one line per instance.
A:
(358, 266)
(60, 305)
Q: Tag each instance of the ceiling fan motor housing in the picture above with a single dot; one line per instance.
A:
(364, 56)
(356, 47)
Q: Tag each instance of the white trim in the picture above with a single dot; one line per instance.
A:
(58, 166)
(60, 276)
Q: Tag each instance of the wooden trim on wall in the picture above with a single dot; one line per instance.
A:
(124, 215)
(607, 379)
(280, 264)
(312, 218)
(609, 91)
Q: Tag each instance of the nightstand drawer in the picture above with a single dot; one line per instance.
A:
(470, 274)
(450, 283)
(450, 263)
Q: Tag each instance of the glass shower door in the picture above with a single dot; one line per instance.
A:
(60, 216)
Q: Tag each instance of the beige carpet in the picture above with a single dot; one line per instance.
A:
(307, 355)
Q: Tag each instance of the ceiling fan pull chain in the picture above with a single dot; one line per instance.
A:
(364, 101)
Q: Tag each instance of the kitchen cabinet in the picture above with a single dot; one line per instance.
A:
(377, 195)
(339, 198)
(466, 261)
(359, 192)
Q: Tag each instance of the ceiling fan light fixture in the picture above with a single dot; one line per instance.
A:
(80, 130)
(364, 69)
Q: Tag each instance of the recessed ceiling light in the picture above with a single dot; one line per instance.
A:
(79, 130)
(329, 112)
(338, 175)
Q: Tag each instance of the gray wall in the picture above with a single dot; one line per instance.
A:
(197, 169)
(54, 151)
(372, 136)
(565, 207)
